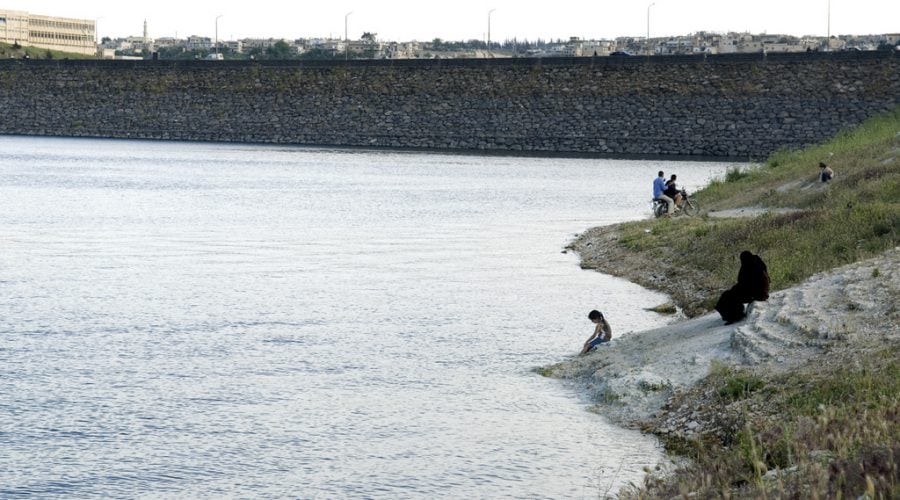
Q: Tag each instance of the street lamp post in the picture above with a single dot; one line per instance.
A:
(97, 29)
(217, 35)
(97, 37)
(489, 31)
(346, 40)
(648, 26)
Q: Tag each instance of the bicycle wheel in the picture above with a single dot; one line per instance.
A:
(690, 208)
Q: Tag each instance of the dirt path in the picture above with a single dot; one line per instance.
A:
(751, 212)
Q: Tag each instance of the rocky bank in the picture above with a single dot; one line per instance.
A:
(646, 379)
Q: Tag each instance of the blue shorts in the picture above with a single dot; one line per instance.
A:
(597, 341)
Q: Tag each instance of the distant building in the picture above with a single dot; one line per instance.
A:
(405, 50)
(784, 47)
(137, 44)
(834, 43)
(327, 45)
(56, 33)
(199, 43)
(233, 46)
(597, 47)
(259, 43)
(168, 42)
(368, 48)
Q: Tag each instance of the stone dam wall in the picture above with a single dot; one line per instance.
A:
(740, 106)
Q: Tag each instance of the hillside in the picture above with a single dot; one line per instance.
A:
(807, 226)
(802, 398)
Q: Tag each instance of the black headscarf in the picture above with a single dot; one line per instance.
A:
(753, 278)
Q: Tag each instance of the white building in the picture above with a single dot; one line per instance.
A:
(55, 33)
(198, 43)
(598, 47)
(233, 46)
(328, 45)
(166, 42)
(259, 43)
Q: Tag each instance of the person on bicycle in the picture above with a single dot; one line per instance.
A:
(659, 187)
(672, 190)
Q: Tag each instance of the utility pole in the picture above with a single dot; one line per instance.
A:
(648, 27)
(217, 36)
(489, 31)
(97, 35)
(346, 40)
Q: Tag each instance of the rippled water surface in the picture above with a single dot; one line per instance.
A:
(213, 320)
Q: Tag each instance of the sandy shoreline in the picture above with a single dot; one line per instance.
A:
(848, 310)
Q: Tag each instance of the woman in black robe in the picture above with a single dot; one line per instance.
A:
(752, 285)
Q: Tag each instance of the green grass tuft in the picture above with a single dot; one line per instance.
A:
(740, 386)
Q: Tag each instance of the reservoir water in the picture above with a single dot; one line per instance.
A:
(196, 320)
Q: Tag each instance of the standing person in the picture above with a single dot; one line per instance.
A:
(825, 174)
(672, 190)
(602, 332)
(659, 187)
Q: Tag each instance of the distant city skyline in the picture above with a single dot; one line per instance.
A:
(405, 20)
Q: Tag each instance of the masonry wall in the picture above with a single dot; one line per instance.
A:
(720, 106)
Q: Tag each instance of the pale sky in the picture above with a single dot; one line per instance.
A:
(404, 20)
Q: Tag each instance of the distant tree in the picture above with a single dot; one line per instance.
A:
(281, 50)
(179, 53)
(105, 40)
(48, 54)
(368, 37)
(317, 55)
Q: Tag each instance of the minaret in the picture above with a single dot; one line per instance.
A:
(146, 34)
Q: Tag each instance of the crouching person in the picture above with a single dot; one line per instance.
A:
(753, 284)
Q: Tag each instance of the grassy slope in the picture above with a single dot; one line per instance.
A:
(829, 430)
(7, 51)
(854, 217)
